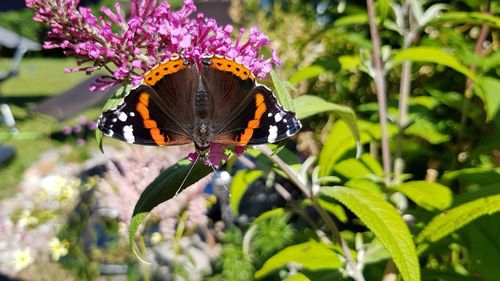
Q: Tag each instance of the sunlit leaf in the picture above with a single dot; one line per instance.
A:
(117, 98)
(349, 62)
(307, 72)
(164, 188)
(385, 222)
(488, 89)
(98, 139)
(475, 18)
(276, 212)
(239, 185)
(297, 277)
(310, 105)
(426, 130)
(282, 92)
(351, 20)
(433, 55)
(311, 255)
(429, 195)
(339, 141)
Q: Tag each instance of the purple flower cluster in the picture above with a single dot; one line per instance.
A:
(129, 47)
(80, 130)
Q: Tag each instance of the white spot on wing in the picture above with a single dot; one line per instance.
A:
(273, 134)
(132, 114)
(128, 134)
(278, 117)
(269, 114)
(122, 116)
(113, 120)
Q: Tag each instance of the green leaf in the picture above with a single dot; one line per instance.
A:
(481, 176)
(98, 139)
(334, 208)
(310, 255)
(352, 20)
(434, 55)
(429, 195)
(310, 105)
(453, 219)
(282, 92)
(483, 239)
(481, 192)
(276, 212)
(352, 168)
(426, 130)
(163, 188)
(476, 18)
(117, 98)
(349, 62)
(307, 72)
(339, 141)
(297, 277)
(488, 89)
(385, 222)
(240, 184)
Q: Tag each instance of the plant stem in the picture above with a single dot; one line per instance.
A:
(380, 89)
(355, 273)
(404, 91)
(469, 83)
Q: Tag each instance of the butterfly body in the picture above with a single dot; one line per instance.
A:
(216, 101)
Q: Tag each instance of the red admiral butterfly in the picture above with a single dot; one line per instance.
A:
(178, 103)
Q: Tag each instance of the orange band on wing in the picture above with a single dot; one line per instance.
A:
(229, 65)
(142, 108)
(255, 122)
(170, 66)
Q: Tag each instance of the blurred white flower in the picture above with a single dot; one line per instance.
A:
(60, 188)
(26, 219)
(58, 249)
(22, 259)
(156, 238)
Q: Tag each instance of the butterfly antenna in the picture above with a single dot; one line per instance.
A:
(187, 175)
(221, 180)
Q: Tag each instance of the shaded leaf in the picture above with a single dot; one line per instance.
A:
(385, 222)
(429, 195)
(456, 218)
(483, 238)
(239, 185)
(310, 255)
(163, 188)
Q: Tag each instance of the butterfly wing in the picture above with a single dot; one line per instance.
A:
(245, 113)
(146, 115)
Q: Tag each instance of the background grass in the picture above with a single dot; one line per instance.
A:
(38, 79)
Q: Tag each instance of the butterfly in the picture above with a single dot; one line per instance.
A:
(216, 101)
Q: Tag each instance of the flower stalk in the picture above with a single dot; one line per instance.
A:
(380, 90)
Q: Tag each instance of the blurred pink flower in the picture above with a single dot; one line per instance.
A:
(130, 46)
(133, 169)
